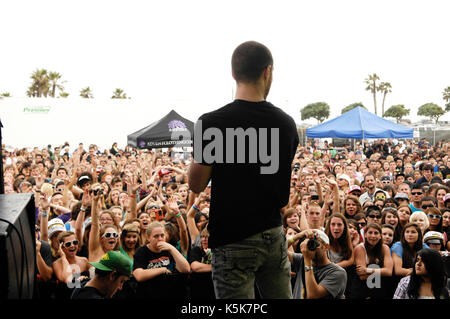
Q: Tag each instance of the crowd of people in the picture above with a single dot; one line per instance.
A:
(379, 213)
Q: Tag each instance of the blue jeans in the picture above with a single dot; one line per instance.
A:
(261, 258)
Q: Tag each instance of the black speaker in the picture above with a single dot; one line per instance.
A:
(17, 246)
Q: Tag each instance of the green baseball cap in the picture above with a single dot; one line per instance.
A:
(114, 261)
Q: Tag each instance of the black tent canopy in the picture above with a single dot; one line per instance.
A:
(172, 130)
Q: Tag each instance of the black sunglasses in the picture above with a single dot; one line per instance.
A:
(434, 216)
(70, 243)
(374, 216)
(427, 206)
(416, 193)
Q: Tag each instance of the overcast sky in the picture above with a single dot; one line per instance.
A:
(181, 50)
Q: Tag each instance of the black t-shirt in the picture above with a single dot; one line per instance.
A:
(86, 293)
(146, 259)
(247, 192)
(46, 253)
(198, 254)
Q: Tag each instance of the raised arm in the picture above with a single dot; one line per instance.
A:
(87, 200)
(191, 225)
(44, 211)
(172, 208)
(94, 236)
(199, 176)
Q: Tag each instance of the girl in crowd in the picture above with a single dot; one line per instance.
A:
(387, 232)
(341, 249)
(155, 259)
(427, 280)
(130, 240)
(405, 251)
(200, 259)
(372, 257)
(352, 206)
(144, 221)
(446, 224)
(421, 219)
(113, 198)
(390, 216)
(69, 269)
(440, 194)
(291, 219)
(102, 238)
(434, 216)
(404, 213)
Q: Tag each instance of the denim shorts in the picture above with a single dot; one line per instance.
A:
(260, 259)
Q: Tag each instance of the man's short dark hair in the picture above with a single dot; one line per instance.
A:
(249, 60)
(429, 199)
(427, 167)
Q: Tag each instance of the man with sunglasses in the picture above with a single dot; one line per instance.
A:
(416, 196)
(373, 215)
(427, 202)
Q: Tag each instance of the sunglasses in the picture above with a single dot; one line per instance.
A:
(416, 193)
(380, 197)
(70, 243)
(427, 206)
(362, 224)
(110, 234)
(434, 216)
(374, 216)
(385, 182)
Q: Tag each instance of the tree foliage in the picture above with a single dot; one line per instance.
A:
(446, 97)
(384, 88)
(45, 83)
(319, 110)
(397, 111)
(86, 93)
(352, 106)
(431, 110)
(372, 86)
(119, 94)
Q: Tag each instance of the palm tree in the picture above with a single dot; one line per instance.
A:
(63, 94)
(40, 85)
(371, 82)
(119, 94)
(385, 88)
(446, 97)
(53, 78)
(86, 93)
(6, 94)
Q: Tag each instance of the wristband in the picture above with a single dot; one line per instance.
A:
(82, 209)
(195, 208)
(132, 196)
(178, 214)
(44, 214)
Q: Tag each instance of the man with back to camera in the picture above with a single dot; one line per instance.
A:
(245, 225)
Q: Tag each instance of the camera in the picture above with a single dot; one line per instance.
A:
(312, 243)
(98, 191)
(314, 197)
(296, 167)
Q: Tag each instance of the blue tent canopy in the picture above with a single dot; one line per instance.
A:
(360, 124)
